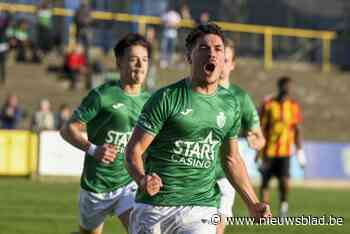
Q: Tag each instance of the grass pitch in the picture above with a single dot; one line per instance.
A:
(34, 207)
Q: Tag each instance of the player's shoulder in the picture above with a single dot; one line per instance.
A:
(229, 97)
(235, 89)
(107, 86)
(294, 101)
(172, 89)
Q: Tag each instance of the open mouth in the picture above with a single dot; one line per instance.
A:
(209, 68)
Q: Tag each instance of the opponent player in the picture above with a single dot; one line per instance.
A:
(109, 112)
(250, 126)
(182, 127)
(280, 121)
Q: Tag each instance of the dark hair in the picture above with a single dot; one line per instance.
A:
(131, 39)
(200, 31)
(283, 80)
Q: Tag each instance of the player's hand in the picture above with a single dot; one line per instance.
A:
(300, 154)
(151, 184)
(105, 153)
(260, 210)
(255, 141)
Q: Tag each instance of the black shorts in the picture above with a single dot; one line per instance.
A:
(278, 167)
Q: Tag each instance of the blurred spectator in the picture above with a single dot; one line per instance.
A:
(11, 113)
(19, 39)
(204, 18)
(97, 71)
(170, 20)
(4, 46)
(75, 65)
(152, 71)
(62, 116)
(44, 27)
(185, 12)
(43, 118)
(82, 20)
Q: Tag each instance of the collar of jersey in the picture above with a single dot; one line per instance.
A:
(188, 85)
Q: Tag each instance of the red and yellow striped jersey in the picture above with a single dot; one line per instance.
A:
(278, 120)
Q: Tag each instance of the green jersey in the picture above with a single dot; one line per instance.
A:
(189, 128)
(110, 116)
(250, 117)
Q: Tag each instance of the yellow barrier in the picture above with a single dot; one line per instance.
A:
(18, 153)
(267, 31)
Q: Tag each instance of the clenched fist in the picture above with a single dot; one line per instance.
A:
(105, 153)
(151, 184)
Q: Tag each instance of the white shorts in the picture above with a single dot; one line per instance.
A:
(94, 207)
(227, 197)
(148, 219)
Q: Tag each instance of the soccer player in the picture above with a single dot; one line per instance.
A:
(109, 113)
(250, 126)
(280, 121)
(182, 127)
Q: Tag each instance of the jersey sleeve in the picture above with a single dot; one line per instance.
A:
(89, 107)
(236, 124)
(155, 112)
(263, 112)
(297, 114)
(250, 117)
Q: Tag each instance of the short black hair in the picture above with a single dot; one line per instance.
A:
(131, 39)
(283, 80)
(201, 30)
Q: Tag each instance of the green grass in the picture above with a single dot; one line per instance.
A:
(34, 207)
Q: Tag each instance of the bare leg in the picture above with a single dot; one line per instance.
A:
(124, 218)
(97, 230)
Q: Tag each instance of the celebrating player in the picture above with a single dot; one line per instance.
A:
(182, 127)
(250, 125)
(109, 113)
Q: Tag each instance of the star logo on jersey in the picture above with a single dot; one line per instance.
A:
(117, 106)
(186, 112)
(221, 120)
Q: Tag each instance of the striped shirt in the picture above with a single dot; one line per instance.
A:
(278, 120)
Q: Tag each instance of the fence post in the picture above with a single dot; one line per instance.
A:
(142, 26)
(326, 53)
(268, 49)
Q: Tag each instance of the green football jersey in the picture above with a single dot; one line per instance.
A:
(250, 117)
(189, 128)
(110, 116)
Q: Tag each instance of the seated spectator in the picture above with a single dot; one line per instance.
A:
(75, 65)
(11, 114)
(20, 40)
(43, 118)
(44, 27)
(62, 116)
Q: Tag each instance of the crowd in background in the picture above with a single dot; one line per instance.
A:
(44, 118)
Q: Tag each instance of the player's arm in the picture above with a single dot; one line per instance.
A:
(73, 132)
(255, 138)
(137, 145)
(298, 136)
(251, 124)
(300, 154)
(236, 172)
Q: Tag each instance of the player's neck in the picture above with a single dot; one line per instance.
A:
(130, 89)
(282, 97)
(225, 82)
(202, 87)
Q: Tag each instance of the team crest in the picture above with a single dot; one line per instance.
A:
(221, 119)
